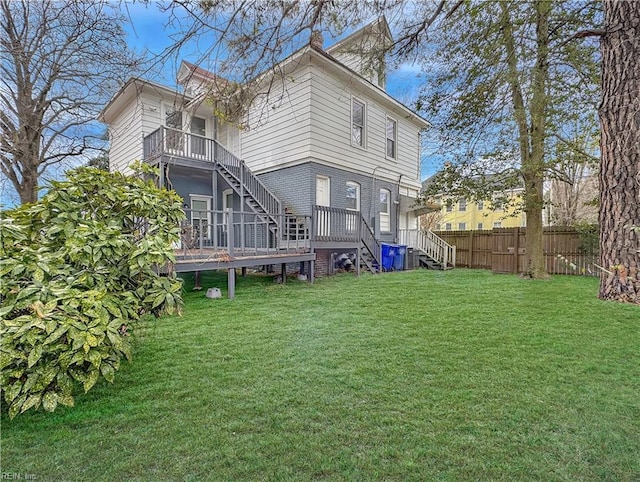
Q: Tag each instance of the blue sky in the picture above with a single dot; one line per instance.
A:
(150, 32)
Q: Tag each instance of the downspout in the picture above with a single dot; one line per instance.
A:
(397, 203)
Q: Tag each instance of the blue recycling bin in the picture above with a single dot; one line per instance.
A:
(388, 256)
(398, 259)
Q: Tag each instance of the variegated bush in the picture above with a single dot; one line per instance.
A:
(78, 269)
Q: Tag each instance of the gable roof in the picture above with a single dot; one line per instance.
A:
(379, 27)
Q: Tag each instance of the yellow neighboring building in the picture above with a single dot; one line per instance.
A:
(461, 215)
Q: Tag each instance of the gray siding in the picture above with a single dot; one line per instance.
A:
(295, 187)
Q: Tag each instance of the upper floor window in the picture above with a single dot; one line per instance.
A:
(479, 225)
(449, 206)
(447, 227)
(353, 196)
(392, 135)
(358, 116)
(497, 224)
(173, 119)
(462, 226)
(462, 204)
(480, 205)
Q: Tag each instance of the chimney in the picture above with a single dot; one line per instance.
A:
(316, 39)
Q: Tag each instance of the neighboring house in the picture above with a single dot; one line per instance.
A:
(460, 214)
(329, 160)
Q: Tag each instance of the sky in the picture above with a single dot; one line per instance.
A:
(150, 32)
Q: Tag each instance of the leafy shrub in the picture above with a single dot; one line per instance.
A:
(79, 268)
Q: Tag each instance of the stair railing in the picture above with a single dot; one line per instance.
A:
(429, 243)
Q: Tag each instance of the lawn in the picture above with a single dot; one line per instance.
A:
(422, 375)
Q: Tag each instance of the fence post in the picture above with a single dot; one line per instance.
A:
(516, 255)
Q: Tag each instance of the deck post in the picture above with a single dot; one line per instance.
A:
(231, 283)
(311, 271)
(358, 254)
(283, 268)
(230, 240)
(244, 271)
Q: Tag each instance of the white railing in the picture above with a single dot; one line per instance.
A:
(432, 245)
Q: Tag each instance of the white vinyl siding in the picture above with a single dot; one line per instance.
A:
(330, 132)
(279, 130)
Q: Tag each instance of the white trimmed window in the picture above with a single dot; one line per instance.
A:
(497, 224)
(480, 205)
(353, 196)
(358, 122)
(385, 211)
(479, 225)
(447, 227)
(462, 204)
(392, 138)
(462, 226)
(201, 215)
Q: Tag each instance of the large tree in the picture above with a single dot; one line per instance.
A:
(620, 149)
(504, 83)
(61, 60)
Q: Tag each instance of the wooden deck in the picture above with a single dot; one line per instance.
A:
(214, 259)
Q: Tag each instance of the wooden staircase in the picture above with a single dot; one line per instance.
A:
(248, 186)
(370, 251)
(432, 251)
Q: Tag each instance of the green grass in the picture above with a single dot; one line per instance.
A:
(419, 375)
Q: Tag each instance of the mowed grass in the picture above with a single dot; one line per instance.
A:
(422, 375)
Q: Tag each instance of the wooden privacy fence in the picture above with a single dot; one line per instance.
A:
(502, 250)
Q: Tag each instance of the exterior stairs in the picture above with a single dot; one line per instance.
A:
(249, 188)
(432, 251)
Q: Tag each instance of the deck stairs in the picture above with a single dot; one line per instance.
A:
(369, 248)
(432, 251)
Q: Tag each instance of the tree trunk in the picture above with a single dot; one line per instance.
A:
(28, 188)
(620, 149)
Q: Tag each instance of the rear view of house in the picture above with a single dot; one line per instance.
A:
(326, 163)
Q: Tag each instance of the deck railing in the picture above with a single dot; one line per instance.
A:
(238, 233)
(432, 245)
(173, 142)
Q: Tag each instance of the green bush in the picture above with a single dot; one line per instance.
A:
(78, 269)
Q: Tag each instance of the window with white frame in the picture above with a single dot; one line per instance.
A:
(497, 224)
(449, 206)
(227, 203)
(358, 117)
(479, 225)
(462, 226)
(462, 204)
(480, 205)
(447, 227)
(173, 121)
(353, 204)
(200, 216)
(385, 211)
(392, 136)
(353, 196)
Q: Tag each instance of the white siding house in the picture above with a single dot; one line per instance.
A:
(327, 134)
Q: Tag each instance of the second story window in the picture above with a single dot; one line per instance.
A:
(173, 120)
(480, 205)
(449, 206)
(462, 204)
(358, 116)
(392, 135)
